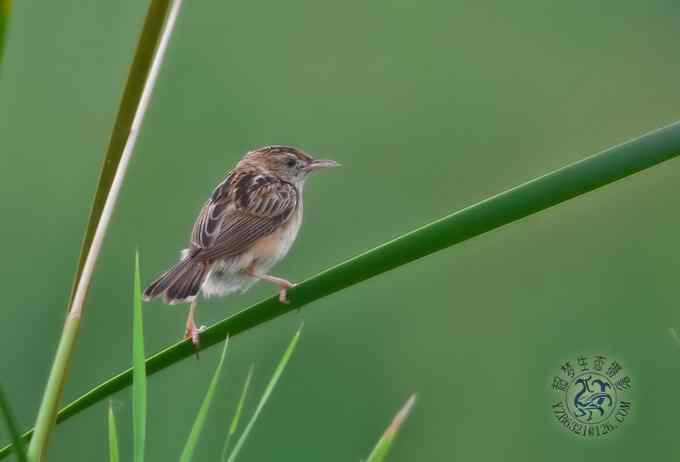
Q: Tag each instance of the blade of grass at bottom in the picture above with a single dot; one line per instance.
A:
(190, 445)
(139, 370)
(382, 448)
(237, 414)
(114, 455)
(514, 204)
(12, 428)
(265, 397)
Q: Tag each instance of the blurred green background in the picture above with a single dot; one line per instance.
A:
(430, 106)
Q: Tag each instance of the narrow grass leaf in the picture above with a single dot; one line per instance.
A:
(190, 445)
(114, 455)
(237, 414)
(12, 428)
(265, 397)
(514, 204)
(382, 448)
(139, 370)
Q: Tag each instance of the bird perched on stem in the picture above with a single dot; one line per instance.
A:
(248, 225)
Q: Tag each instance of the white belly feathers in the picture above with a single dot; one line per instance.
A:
(228, 276)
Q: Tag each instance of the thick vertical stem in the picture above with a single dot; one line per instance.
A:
(55, 384)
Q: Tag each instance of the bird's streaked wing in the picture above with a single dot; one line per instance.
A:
(244, 208)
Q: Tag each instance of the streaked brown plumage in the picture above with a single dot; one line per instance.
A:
(247, 225)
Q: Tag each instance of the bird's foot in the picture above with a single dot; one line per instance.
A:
(283, 284)
(283, 291)
(193, 332)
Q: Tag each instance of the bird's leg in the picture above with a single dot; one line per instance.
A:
(191, 330)
(283, 284)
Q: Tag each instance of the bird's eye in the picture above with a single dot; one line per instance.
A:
(291, 162)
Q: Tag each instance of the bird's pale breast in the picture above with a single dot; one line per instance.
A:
(229, 276)
(276, 245)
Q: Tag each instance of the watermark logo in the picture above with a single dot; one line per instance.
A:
(593, 396)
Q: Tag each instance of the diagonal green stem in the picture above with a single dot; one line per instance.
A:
(516, 203)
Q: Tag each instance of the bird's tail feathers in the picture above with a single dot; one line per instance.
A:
(181, 283)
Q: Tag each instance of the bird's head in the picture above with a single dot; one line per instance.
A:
(286, 162)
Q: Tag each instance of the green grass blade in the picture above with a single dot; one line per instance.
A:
(265, 397)
(12, 428)
(512, 205)
(237, 414)
(382, 448)
(5, 8)
(190, 445)
(114, 455)
(139, 371)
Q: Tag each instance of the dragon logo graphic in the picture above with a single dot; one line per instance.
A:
(592, 395)
(592, 398)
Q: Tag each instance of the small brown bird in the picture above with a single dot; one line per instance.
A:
(248, 225)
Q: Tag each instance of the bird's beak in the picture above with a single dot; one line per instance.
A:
(321, 163)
